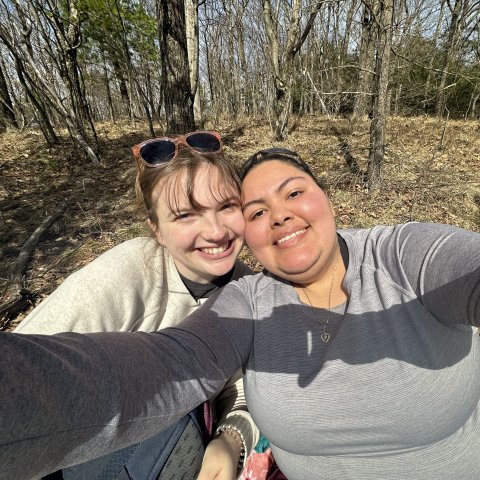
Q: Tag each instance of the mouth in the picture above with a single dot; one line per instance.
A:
(290, 236)
(216, 250)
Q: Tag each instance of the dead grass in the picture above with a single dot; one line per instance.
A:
(432, 173)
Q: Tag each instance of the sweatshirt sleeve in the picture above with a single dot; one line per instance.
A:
(118, 291)
(69, 397)
(232, 408)
(441, 264)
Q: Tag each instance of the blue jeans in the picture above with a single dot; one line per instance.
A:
(174, 453)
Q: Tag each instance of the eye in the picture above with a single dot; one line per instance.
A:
(295, 194)
(257, 214)
(182, 216)
(229, 205)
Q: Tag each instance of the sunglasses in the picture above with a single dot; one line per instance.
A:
(158, 151)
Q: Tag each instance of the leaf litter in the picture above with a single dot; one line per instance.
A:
(431, 174)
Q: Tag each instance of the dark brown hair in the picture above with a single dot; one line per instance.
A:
(282, 155)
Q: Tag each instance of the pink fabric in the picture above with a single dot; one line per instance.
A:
(261, 466)
(207, 420)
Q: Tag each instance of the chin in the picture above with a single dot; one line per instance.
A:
(296, 275)
(225, 267)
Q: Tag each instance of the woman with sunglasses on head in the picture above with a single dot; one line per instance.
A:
(359, 347)
(191, 193)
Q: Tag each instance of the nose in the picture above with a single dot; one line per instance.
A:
(278, 216)
(214, 229)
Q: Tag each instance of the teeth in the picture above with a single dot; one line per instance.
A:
(214, 250)
(288, 237)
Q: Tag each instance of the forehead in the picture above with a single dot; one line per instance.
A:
(270, 174)
(206, 185)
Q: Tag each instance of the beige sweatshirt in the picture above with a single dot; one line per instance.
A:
(134, 286)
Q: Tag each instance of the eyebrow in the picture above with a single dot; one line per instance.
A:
(190, 208)
(277, 190)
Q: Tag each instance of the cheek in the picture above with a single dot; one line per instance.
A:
(236, 222)
(316, 208)
(176, 237)
(255, 235)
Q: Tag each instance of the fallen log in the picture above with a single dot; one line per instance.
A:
(20, 297)
(29, 246)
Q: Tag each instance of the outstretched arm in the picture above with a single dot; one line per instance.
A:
(69, 398)
(441, 264)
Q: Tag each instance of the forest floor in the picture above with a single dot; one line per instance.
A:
(431, 173)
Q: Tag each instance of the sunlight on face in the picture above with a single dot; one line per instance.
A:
(206, 241)
(290, 225)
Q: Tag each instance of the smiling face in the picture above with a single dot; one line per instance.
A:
(290, 224)
(204, 242)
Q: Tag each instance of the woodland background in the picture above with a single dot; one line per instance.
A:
(381, 97)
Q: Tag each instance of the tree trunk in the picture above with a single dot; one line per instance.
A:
(343, 51)
(146, 107)
(472, 105)
(209, 73)
(366, 61)
(41, 114)
(122, 85)
(379, 119)
(149, 90)
(109, 91)
(70, 50)
(426, 91)
(191, 33)
(7, 113)
(453, 32)
(245, 89)
(283, 74)
(178, 96)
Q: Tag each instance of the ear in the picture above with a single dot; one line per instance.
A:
(156, 231)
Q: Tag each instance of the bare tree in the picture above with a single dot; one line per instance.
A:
(7, 113)
(230, 28)
(433, 55)
(39, 107)
(282, 62)
(384, 16)
(451, 44)
(59, 27)
(270, 58)
(366, 59)
(52, 86)
(178, 95)
(191, 33)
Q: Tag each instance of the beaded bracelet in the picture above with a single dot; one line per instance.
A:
(237, 435)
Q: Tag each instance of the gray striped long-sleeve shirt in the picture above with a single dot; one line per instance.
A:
(394, 394)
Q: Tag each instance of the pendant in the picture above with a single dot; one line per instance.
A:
(325, 336)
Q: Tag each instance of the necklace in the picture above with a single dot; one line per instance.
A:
(325, 336)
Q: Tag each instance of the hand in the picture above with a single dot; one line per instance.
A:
(221, 459)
